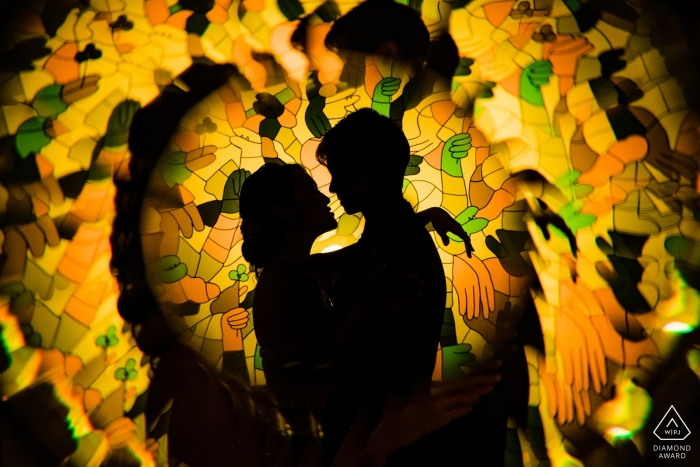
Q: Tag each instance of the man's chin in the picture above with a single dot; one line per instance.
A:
(349, 209)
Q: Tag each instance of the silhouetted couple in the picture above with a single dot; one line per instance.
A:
(349, 338)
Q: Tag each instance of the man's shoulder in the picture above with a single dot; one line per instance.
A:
(411, 236)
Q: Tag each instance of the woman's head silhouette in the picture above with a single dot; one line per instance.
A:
(276, 200)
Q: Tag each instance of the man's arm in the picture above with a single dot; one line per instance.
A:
(401, 349)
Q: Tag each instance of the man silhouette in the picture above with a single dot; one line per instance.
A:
(367, 155)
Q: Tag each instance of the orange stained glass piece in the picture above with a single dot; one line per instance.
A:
(157, 11)
(88, 243)
(497, 12)
(501, 199)
(235, 113)
(253, 123)
(179, 19)
(218, 14)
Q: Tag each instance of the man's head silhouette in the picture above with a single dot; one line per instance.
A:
(367, 155)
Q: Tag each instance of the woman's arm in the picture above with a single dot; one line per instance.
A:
(443, 223)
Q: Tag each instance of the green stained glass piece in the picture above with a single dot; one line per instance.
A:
(470, 225)
(680, 247)
(467, 215)
(243, 277)
(175, 8)
(464, 67)
(568, 179)
(581, 191)
(230, 206)
(128, 371)
(574, 5)
(175, 171)
(48, 102)
(415, 160)
(270, 127)
(169, 269)
(412, 170)
(25, 172)
(581, 221)
(257, 362)
(241, 268)
(119, 123)
(22, 302)
(99, 173)
(112, 338)
(232, 191)
(486, 91)
(34, 340)
(514, 455)
(450, 165)
(285, 96)
(475, 225)
(329, 12)
(448, 334)
(557, 231)
(454, 237)
(316, 121)
(453, 357)
(567, 212)
(197, 24)
(291, 9)
(31, 136)
(249, 113)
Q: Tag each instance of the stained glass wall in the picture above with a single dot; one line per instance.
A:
(552, 109)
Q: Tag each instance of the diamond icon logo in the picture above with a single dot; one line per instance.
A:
(671, 427)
